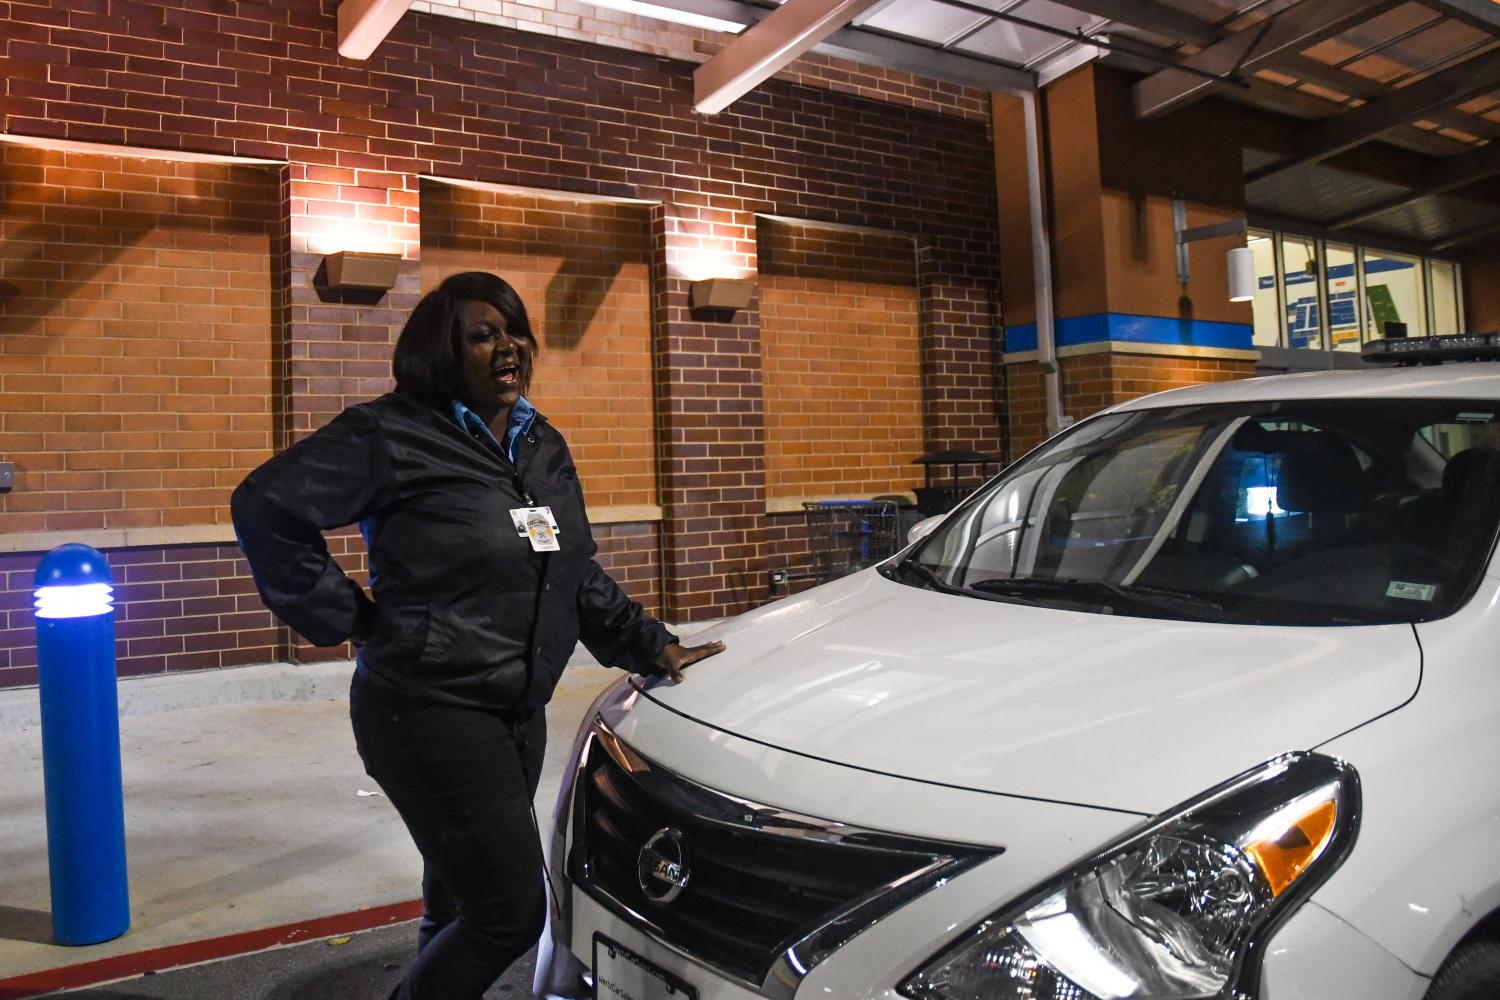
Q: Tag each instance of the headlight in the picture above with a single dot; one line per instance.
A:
(1176, 911)
(612, 703)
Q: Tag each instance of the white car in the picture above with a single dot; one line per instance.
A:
(1201, 698)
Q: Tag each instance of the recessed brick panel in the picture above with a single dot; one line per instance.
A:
(136, 316)
(583, 271)
(842, 357)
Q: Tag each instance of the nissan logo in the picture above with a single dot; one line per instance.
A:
(662, 866)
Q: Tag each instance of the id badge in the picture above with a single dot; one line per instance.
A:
(537, 525)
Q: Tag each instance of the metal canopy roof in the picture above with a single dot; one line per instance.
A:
(1423, 77)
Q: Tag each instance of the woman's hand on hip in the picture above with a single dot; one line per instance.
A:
(676, 657)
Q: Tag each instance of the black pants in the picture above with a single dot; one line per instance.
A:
(463, 780)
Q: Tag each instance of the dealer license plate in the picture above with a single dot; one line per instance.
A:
(621, 974)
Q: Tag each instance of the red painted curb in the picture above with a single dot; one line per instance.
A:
(122, 966)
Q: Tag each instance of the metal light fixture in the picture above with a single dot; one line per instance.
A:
(356, 269)
(1241, 274)
(1241, 267)
(722, 293)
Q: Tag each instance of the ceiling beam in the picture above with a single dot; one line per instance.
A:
(756, 55)
(1481, 14)
(1447, 175)
(1464, 239)
(1241, 54)
(878, 50)
(1323, 74)
(1327, 75)
(920, 60)
(1398, 107)
(363, 25)
(1156, 18)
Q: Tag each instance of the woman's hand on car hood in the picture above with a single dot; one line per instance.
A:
(675, 657)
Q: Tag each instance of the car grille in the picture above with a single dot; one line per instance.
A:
(762, 882)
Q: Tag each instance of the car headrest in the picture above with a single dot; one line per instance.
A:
(1464, 466)
(1325, 478)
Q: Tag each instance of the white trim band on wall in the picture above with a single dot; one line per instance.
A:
(219, 534)
(1132, 347)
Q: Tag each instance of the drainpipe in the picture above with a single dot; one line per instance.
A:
(1041, 265)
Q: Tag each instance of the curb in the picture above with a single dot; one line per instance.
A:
(105, 970)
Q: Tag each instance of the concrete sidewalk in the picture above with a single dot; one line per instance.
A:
(249, 821)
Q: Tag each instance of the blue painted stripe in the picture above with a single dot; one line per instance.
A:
(1099, 327)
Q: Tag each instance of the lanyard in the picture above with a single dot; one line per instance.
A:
(525, 494)
(490, 443)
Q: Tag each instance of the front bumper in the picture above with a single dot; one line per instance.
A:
(1313, 955)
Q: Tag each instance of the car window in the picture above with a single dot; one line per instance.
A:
(1320, 512)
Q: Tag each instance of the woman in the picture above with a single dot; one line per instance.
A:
(483, 575)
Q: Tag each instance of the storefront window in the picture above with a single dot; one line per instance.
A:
(1343, 297)
(1444, 297)
(1395, 293)
(1267, 316)
(1299, 258)
(1314, 294)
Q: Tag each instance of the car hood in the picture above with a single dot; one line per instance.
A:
(1095, 709)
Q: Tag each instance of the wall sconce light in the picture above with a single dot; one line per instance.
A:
(722, 293)
(1241, 259)
(354, 269)
(1241, 274)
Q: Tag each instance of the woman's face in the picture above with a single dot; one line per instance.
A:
(495, 366)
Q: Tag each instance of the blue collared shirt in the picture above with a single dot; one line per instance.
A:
(522, 416)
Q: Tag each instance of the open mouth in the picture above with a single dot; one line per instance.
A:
(508, 376)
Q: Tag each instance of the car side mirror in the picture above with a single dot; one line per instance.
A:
(923, 528)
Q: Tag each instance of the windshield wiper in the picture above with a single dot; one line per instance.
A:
(925, 573)
(1149, 596)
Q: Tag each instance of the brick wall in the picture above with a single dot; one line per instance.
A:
(136, 308)
(583, 271)
(182, 607)
(469, 100)
(478, 102)
(1091, 382)
(842, 359)
(631, 553)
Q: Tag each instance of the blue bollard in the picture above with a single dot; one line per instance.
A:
(75, 644)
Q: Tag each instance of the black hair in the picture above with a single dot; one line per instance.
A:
(425, 361)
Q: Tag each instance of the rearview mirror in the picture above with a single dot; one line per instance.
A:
(923, 528)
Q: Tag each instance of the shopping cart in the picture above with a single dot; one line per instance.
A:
(846, 535)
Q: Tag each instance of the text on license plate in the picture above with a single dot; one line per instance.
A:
(621, 974)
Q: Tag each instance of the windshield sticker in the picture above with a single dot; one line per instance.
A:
(1411, 591)
(1475, 418)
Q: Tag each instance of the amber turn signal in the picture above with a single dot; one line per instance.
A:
(1282, 860)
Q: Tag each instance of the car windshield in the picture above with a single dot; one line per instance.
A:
(1323, 512)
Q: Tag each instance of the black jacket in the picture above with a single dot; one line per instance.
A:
(464, 611)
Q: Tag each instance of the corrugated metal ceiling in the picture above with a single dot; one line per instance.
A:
(1396, 46)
